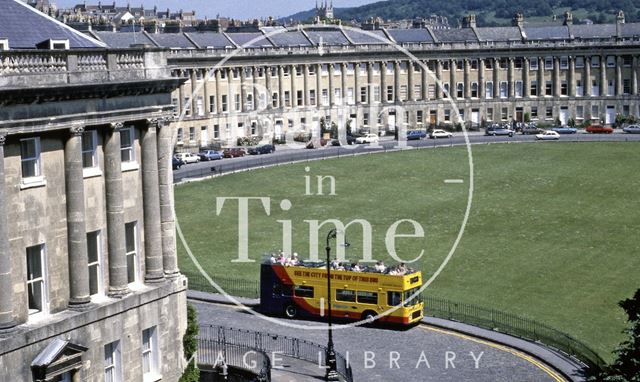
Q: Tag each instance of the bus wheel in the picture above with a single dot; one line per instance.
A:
(291, 311)
(369, 316)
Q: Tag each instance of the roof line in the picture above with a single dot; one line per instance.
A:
(433, 35)
(304, 33)
(61, 24)
(225, 34)
(144, 32)
(186, 35)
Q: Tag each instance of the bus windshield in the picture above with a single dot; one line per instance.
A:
(407, 300)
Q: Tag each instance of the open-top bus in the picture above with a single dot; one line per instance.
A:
(301, 291)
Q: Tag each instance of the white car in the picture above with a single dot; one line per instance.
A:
(548, 135)
(440, 134)
(188, 158)
(369, 138)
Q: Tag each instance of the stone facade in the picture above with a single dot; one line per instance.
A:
(286, 80)
(89, 283)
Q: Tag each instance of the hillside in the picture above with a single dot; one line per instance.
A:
(489, 13)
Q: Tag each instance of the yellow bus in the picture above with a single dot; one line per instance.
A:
(301, 291)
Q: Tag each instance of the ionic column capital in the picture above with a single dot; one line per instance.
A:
(3, 138)
(116, 126)
(76, 130)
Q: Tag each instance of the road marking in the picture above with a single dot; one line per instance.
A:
(548, 370)
(459, 181)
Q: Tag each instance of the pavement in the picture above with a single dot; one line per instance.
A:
(504, 358)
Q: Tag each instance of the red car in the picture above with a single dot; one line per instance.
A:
(599, 129)
(233, 152)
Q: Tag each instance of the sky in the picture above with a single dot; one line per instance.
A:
(238, 9)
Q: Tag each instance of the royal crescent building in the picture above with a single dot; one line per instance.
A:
(89, 284)
(278, 81)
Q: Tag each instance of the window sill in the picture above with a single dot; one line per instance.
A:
(129, 166)
(91, 172)
(33, 182)
(152, 377)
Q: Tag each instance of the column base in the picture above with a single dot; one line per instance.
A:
(8, 328)
(118, 292)
(80, 306)
(172, 274)
(154, 278)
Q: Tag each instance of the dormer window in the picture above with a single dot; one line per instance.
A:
(54, 44)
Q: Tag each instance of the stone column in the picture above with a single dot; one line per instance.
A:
(572, 77)
(396, 82)
(425, 85)
(280, 86)
(439, 89)
(167, 219)
(194, 94)
(255, 92)
(370, 84)
(305, 97)
(79, 295)
(481, 84)
(218, 95)
(556, 77)
(356, 83)
(525, 78)
(267, 85)
(604, 86)
(243, 91)
(496, 78)
(619, 87)
(453, 89)
(294, 89)
(318, 85)
(510, 78)
(118, 281)
(634, 75)
(151, 205)
(331, 91)
(587, 76)
(411, 93)
(6, 286)
(343, 84)
(231, 101)
(467, 79)
(383, 81)
(542, 85)
(205, 79)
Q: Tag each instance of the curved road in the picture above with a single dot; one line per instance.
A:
(422, 353)
(286, 154)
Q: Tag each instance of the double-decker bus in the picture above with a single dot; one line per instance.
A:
(301, 291)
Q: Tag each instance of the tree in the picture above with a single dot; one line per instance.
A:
(626, 368)
(190, 344)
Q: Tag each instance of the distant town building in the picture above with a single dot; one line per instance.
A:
(325, 10)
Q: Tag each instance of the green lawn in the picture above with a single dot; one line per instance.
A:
(552, 232)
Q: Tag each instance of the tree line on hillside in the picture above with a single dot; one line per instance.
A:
(489, 12)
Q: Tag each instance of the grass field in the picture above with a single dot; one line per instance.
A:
(552, 232)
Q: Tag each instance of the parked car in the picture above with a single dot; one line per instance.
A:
(564, 129)
(176, 163)
(233, 152)
(531, 130)
(415, 135)
(498, 130)
(187, 158)
(632, 129)
(262, 149)
(548, 135)
(599, 129)
(435, 134)
(208, 155)
(350, 140)
(368, 138)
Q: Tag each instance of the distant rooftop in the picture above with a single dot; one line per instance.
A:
(26, 28)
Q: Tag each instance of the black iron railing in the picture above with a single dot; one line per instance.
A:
(212, 353)
(274, 343)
